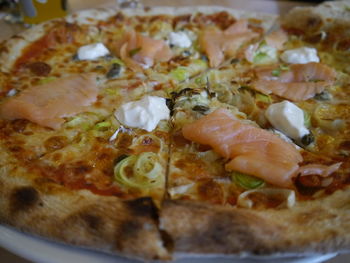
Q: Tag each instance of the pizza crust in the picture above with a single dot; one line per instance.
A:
(36, 205)
(328, 17)
(11, 49)
(318, 226)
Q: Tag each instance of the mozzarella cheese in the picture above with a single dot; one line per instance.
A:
(288, 118)
(180, 39)
(93, 51)
(301, 55)
(144, 114)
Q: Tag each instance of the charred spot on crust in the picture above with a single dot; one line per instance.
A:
(93, 221)
(127, 230)
(23, 198)
(233, 233)
(142, 207)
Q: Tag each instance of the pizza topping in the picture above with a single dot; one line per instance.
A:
(288, 118)
(141, 52)
(276, 39)
(139, 171)
(180, 39)
(247, 181)
(182, 73)
(144, 114)
(261, 53)
(177, 191)
(318, 169)
(217, 44)
(39, 68)
(299, 82)
(115, 71)
(267, 197)
(92, 51)
(301, 55)
(252, 150)
(11, 92)
(48, 104)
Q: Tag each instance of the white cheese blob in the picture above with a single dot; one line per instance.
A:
(144, 114)
(301, 55)
(11, 92)
(93, 51)
(288, 118)
(180, 39)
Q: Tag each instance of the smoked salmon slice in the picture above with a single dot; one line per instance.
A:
(47, 104)
(299, 82)
(252, 150)
(138, 51)
(217, 43)
(276, 39)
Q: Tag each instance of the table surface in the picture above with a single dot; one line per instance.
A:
(267, 6)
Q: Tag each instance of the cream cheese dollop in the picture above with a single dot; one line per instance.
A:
(144, 114)
(180, 39)
(92, 51)
(287, 118)
(301, 55)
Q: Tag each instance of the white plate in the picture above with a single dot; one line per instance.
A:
(44, 251)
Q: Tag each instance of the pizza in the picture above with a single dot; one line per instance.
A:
(164, 132)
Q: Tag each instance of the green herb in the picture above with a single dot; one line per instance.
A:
(134, 51)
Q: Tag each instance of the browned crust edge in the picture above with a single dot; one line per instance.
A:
(319, 226)
(34, 205)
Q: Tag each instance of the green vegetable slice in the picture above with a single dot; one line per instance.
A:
(307, 119)
(117, 61)
(180, 73)
(139, 171)
(260, 58)
(263, 98)
(276, 72)
(147, 165)
(247, 181)
(102, 125)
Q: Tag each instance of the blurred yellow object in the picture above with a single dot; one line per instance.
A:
(37, 11)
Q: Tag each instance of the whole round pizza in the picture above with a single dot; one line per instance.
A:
(162, 132)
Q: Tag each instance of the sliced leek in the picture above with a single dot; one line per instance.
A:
(141, 171)
(263, 98)
(102, 125)
(180, 73)
(247, 181)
